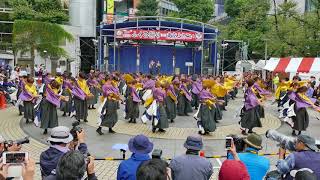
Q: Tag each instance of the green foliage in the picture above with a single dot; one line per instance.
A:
(198, 10)
(36, 27)
(148, 8)
(40, 36)
(294, 34)
(248, 24)
(233, 7)
(39, 10)
(287, 32)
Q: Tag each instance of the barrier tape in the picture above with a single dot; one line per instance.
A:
(168, 159)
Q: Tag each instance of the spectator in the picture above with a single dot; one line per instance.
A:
(310, 90)
(28, 170)
(275, 81)
(60, 139)
(313, 82)
(233, 170)
(2, 146)
(257, 165)
(72, 166)
(154, 169)
(28, 69)
(304, 157)
(191, 165)
(140, 146)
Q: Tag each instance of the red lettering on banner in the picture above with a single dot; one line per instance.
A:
(137, 34)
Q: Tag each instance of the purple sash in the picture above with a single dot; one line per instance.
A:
(52, 97)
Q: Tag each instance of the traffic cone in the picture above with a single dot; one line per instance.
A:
(2, 101)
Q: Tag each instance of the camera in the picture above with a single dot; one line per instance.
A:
(156, 154)
(283, 140)
(75, 128)
(238, 142)
(18, 142)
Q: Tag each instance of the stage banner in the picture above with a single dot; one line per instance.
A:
(136, 34)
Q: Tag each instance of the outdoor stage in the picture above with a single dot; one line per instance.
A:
(130, 46)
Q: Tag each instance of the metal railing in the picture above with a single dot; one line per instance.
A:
(6, 10)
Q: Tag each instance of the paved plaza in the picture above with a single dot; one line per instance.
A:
(171, 142)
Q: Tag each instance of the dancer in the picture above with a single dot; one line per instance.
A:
(261, 94)
(22, 80)
(184, 99)
(81, 94)
(250, 117)
(66, 106)
(207, 110)
(132, 101)
(94, 90)
(28, 96)
(110, 106)
(49, 105)
(301, 102)
(171, 102)
(196, 88)
(160, 121)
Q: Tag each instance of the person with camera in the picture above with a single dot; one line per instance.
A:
(60, 140)
(72, 166)
(305, 156)
(191, 165)
(257, 165)
(28, 170)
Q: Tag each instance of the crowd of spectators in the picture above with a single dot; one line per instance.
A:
(67, 158)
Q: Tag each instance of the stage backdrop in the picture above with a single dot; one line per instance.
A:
(126, 57)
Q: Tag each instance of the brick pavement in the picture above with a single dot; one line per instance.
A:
(10, 129)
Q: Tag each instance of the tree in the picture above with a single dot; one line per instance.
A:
(38, 36)
(147, 8)
(36, 27)
(249, 22)
(198, 10)
(294, 34)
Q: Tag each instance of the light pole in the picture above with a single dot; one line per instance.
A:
(45, 59)
(95, 43)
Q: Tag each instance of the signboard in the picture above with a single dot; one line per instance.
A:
(110, 11)
(189, 64)
(137, 34)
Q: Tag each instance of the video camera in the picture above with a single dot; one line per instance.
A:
(75, 128)
(9, 143)
(283, 140)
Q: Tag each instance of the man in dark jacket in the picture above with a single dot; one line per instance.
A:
(59, 140)
(72, 166)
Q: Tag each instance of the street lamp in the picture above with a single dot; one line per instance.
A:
(45, 59)
(95, 43)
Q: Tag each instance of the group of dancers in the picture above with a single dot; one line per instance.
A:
(292, 99)
(163, 98)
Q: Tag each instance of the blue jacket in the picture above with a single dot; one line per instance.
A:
(49, 158)
(128, 168)
(257, 166)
